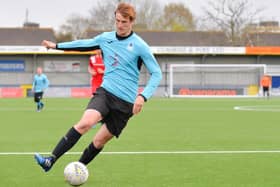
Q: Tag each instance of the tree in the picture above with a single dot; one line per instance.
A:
(76, 26)
(176, 17)
(63, 37)
(231, 17)
(102, 15)
(148, 12)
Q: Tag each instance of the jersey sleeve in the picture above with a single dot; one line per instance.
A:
(79, 45)
(155, 72)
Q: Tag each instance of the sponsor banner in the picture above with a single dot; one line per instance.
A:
(58, 92)
(22, 48)
(274, 92)
(29, 49)
(263, 50)
(12, 66)
(11, 92)
(199, 50)
(227, 50)
(62, 66)
(218, 92)
(81, 92)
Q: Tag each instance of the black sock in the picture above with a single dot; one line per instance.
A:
(89, 154)
(66, 143)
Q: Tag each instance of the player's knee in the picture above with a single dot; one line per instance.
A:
(101, 139)
(98, 142)
(83, 126)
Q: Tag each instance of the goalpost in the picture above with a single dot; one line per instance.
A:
(215, 80)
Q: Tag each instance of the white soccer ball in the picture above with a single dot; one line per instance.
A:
(76, 173)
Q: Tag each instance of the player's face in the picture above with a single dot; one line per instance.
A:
(39, 71)
(123, 25)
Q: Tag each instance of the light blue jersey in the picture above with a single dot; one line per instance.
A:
(40, 83)
(123, 57)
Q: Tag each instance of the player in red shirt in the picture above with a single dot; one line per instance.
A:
(96, 69)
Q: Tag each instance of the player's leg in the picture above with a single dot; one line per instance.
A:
(101, 138)
(268, 92)
(40, 103)
(114, 122)
(89, 118)
(37, 100)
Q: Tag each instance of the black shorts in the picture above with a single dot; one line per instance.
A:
(38, 96)
(115, 111)
(265, 89)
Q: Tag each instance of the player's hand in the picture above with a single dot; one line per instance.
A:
(93, 72)
(100, 71)
(138, 104)
(49, 44)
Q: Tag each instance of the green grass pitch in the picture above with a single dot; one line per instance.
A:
(172, 143)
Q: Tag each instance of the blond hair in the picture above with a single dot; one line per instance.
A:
(126, 10)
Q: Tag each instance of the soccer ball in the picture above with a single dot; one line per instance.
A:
(76, 173)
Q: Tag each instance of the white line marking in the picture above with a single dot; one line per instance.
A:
(150, 152)
(259, 108)
(33, 109)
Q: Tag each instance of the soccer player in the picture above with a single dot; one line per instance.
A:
(40, 83)
(117, 99)
(96, 69)
(266, 85)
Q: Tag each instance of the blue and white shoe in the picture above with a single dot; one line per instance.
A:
(45, 162)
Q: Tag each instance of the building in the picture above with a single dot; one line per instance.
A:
(27, 36)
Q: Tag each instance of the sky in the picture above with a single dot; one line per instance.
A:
(53, 13)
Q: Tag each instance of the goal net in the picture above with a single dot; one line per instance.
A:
(215, 80)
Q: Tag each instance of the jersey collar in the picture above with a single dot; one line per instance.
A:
(123, 37)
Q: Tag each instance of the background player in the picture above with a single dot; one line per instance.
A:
(266, 85)
(96, 69)
(39, 85)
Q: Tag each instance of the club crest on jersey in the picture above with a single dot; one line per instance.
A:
(130, 47)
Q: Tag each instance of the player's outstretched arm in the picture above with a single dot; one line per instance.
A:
(49, 44)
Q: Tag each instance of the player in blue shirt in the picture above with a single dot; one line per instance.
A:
(117, 99)
(40, 83)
